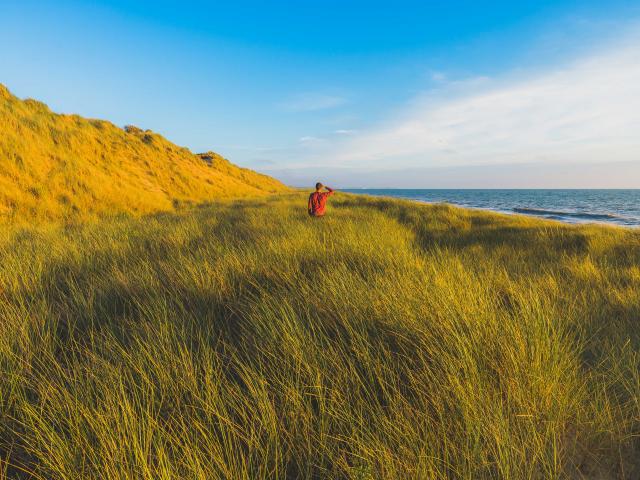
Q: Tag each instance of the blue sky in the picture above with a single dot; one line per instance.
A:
(358, 94)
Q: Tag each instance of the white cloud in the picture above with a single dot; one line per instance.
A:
(308, 102)
(311, 141)
(586, 111)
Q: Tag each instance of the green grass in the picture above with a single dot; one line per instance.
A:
(389, 340)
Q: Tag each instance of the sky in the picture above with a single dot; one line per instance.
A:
(457, 94)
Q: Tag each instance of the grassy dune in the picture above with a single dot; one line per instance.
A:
(390, 340)
(59, 166)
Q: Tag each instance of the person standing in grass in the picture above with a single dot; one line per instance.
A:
(318, 200)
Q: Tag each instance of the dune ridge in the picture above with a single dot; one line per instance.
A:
(56, 166)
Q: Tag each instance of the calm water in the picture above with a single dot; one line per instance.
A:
(618, 207)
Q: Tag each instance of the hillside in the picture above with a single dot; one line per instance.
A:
(389, 340)
(54, 166)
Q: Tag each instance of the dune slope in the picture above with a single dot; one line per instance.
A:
(54, 166)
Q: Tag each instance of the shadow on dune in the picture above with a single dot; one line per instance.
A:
(125, 296)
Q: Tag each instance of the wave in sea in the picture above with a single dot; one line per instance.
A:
(578, 215)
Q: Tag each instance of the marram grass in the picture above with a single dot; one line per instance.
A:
(56, 166)
(389, 340)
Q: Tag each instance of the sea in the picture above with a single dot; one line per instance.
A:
(614, 207)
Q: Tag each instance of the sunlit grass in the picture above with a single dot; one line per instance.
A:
(388, 340)
(65, 166)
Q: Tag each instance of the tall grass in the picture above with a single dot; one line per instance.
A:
(389, 340)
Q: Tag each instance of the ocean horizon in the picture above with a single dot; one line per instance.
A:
(605, 206)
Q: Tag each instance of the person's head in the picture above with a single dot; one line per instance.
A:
(319, 186)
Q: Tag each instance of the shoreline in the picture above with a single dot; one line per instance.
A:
(570, 218)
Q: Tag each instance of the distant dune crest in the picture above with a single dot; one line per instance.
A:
(57, 166)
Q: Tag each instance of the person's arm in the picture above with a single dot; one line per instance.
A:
(329, 190)
(309, 204)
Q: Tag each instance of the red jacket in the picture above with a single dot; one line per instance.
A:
(318, 202)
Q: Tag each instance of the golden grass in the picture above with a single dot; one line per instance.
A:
(389, 340)
(65, 166)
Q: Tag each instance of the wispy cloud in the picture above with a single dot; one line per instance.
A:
(320, 143)
(558, 175)
(311, 141)
(585, 111)
(344, 131)
(438, 76)
(308, 102)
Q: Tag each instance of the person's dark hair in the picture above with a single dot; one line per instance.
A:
(319, 186)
